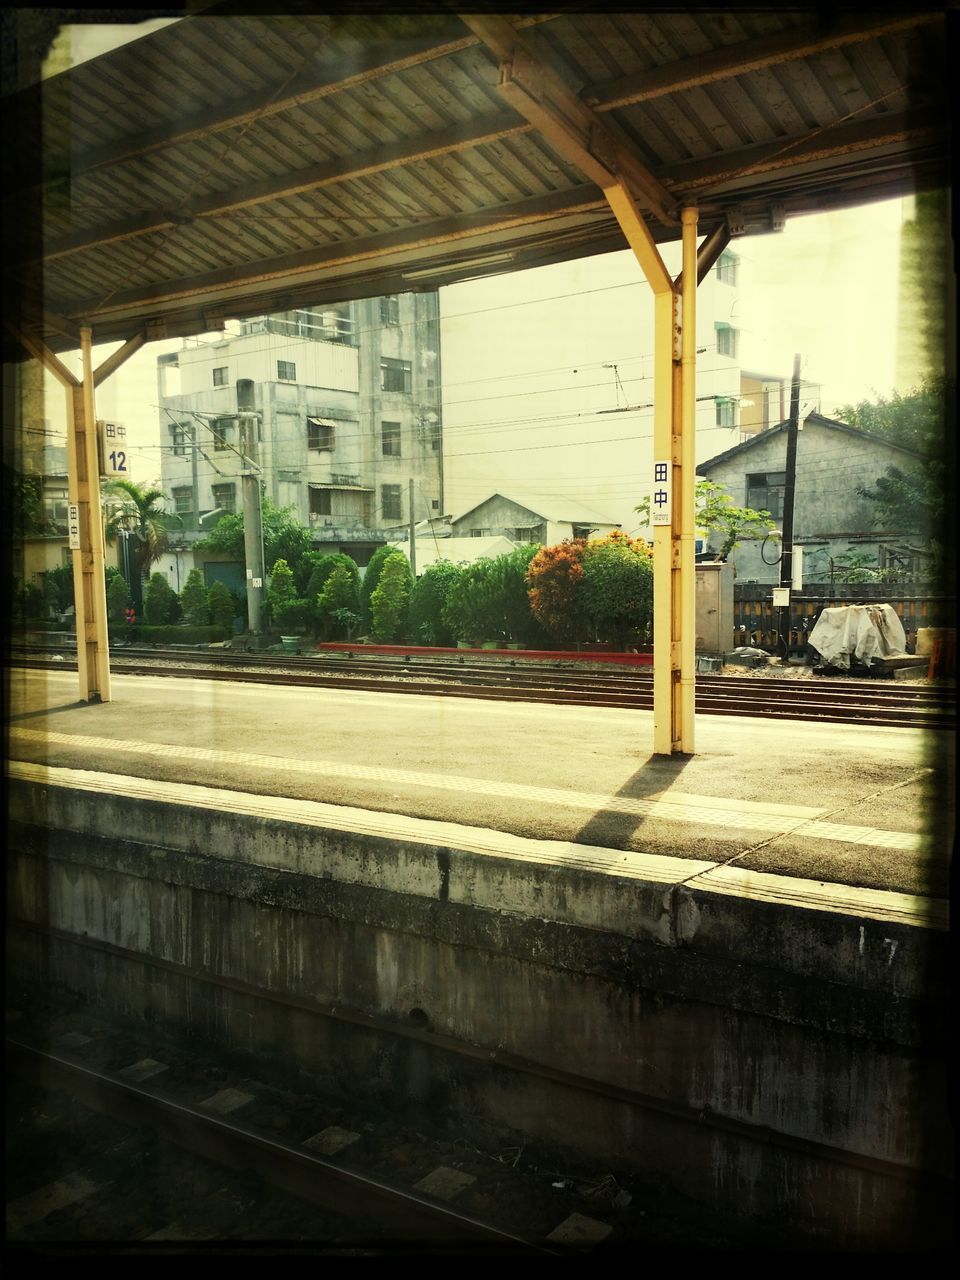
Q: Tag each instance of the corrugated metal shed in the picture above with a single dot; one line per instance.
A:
(232, 165)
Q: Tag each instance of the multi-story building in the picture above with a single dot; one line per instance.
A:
(348, 404)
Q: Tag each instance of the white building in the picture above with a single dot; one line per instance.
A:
(348, 399)
(548, 381)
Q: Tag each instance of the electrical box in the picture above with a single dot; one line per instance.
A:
(715, 608)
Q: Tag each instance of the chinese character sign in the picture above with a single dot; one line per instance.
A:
(73, 526)
(661, 501)
(115, 460)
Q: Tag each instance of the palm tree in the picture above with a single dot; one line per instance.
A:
(137, 515)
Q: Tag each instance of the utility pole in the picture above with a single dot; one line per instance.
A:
(252, 516)
(790, 483)
(413, 537)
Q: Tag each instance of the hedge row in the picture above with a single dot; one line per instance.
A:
(147, 634)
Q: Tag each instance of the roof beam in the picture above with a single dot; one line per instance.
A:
(273, 100)
(270, 273)
(837, 140)
(492, 128)
(802, 41)
(578, 133)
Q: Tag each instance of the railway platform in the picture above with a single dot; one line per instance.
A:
(733, 963)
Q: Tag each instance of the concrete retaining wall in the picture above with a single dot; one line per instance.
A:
(771, 1058)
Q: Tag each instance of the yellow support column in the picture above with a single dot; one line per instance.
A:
(90, 590)
(663, 538)
(687, 495)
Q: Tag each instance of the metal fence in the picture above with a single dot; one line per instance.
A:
(755, 617)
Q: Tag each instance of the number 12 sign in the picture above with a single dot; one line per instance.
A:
(114, 459)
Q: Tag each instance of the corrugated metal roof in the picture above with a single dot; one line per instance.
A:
(231, 165)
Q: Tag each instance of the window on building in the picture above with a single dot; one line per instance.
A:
(765, 492)
(182, 500)
(320, 502)
(390, 309)
(220, 377)
(727, 265)
(434, 504)
(390, 502)
(727, 338)
(286, 371)
(395, 375)
(726, 412)
(180, 437)
(320, 434)
(390, 437)
(225, 498)
(224, 433)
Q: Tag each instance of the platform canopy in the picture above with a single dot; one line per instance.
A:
(228, 165)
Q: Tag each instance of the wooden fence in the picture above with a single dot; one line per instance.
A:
(755, 617)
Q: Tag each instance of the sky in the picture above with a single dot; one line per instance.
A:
(825, 287)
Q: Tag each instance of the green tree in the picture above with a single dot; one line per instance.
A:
(160, 603)
(616, 592)
(193, 600)
(390, 601)
(284, 537)
(138, 515)
(58, 586)
(717, 513)
(221, 607)
(430, 594)
(338, 603)
(26, 500)
(371, 579)
(915, 497)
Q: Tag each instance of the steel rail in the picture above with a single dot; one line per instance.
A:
(749, 699)
(422, 1223)
(542, 671)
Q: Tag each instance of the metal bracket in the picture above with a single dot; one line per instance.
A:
(736, 221)
(155, 329)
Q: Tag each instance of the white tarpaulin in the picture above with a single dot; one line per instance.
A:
(861, 631)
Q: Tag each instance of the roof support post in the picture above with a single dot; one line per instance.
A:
(685, 500)
(89, 584)
(674, 396)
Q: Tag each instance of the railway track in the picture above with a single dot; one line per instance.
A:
(114, 1137)
(829, 699)
(382, 1211)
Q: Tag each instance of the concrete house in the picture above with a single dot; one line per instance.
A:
(349, 405)
(830, 518)
(541, 519)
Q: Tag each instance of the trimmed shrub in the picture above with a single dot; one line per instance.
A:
(430, 593)
(220, 603)
(337, 606)
(370, 582)
(118, 598)
(160, 604)
(193, 600)
(390, 602)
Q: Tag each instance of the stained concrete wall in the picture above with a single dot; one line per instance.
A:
(768, 1059)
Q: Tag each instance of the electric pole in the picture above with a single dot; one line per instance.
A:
(249, 421)
(789, 487)
(413, 537)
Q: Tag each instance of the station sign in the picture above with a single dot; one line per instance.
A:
(661, 499)
(73, 526)
(114, 457)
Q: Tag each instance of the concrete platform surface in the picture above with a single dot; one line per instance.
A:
(818, 804)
